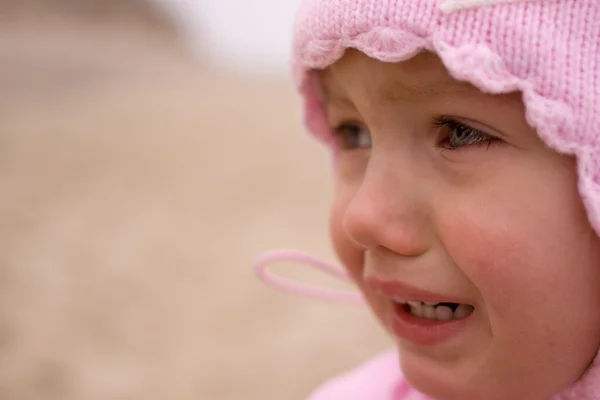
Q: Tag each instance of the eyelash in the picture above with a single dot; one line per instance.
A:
(446, 125)
(346, 134)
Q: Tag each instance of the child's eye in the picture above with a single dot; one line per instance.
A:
(455, 134)
(352, 135)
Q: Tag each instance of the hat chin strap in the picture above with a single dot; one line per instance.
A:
(265, 260)
(456, 5)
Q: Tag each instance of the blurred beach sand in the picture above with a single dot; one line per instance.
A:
(138, 188)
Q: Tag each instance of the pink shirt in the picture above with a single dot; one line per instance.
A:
(380, 379)
(377, 379)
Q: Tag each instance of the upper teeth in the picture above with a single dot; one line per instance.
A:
(434, 311)
(402, 301)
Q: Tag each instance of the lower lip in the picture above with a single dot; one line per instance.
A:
(425, 332)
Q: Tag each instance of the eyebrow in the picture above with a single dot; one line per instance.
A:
(338, 100)
(333, 97)
(401, 91)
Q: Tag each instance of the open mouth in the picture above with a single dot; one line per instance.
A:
(436, 311)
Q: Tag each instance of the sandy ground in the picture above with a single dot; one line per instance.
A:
(137, 189)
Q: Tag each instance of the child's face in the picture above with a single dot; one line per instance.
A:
(443, 188)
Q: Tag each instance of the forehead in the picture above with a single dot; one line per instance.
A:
(421, 77)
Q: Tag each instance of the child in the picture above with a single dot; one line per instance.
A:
(465, 142)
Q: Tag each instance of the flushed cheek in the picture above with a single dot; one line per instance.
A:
(537, 294)
(522, 259)
(491, 256)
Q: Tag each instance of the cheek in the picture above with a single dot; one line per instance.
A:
(524, 244)
(536, 264)
(496, 255)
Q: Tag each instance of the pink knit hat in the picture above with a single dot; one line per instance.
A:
(547, 49)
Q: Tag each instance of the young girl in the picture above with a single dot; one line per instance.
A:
(465, 143)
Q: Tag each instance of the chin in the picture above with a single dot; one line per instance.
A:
(440, 385)
(439, 391)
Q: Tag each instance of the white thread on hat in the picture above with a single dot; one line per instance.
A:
(456, 5)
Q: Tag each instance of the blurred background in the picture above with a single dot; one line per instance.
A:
(149, 152)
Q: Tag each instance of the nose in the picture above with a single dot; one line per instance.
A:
(388, 210)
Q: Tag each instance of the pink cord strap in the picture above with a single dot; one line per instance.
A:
(280, 283)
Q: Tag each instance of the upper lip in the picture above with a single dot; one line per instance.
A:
(398, 290)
